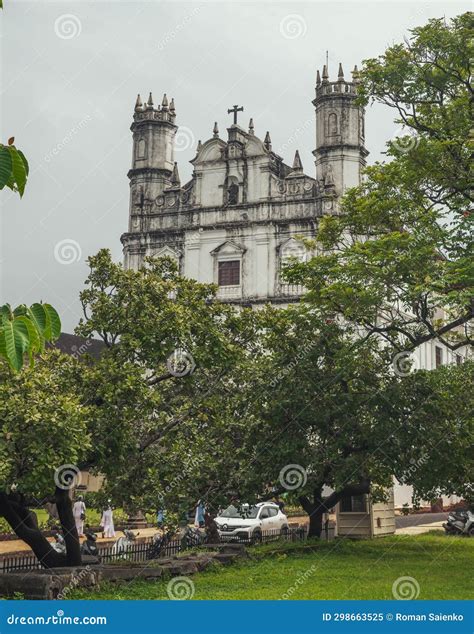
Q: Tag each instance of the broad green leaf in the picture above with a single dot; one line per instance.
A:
(20, 310)
(18, 168)
(25, 325)
(3, 348)
(53, 322)
(5, 166)
(16, 343)
(46, 319)
(5, 312)
(25, 162)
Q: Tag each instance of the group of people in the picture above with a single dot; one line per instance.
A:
(79, 514)
(106, 522)
(203, 517)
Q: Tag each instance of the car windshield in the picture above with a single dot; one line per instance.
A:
(244, 512)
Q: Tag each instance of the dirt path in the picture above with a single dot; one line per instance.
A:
(18, 547)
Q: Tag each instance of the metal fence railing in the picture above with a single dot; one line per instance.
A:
(17, 564)
(149, 548)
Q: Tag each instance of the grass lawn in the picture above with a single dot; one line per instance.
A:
(442, 566)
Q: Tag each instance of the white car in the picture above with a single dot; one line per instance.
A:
(250, 523)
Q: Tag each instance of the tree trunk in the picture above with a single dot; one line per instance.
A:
(24, 524)
(315, 511)
(320, 505)
(315, 523)
(68, 525)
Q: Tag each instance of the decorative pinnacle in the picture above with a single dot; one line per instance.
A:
(318, 78)
(325, 73)
(340, 73)
(268, 142)
(172, 108)
(164, 103)
(199, 146)
(251, 127)
(297, 165)
(215, 130)
(175, 180)
(355, 74)
(150, 101)
(138, 103)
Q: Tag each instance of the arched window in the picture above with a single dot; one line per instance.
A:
(141, 148)
(233, 194)
(332, 124)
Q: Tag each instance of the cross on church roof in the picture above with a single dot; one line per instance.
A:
(235, 110)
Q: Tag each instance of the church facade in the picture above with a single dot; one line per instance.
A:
(244, 210)
(242, 214)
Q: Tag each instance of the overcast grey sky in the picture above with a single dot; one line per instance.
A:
(70, 75)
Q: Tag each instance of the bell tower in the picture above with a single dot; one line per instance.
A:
(153, 131)
(340, 153)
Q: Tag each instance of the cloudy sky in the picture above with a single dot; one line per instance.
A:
(70, 75)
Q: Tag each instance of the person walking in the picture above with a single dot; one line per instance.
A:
(199, 515)
(107, 522)
(79, 513)
(160, 517)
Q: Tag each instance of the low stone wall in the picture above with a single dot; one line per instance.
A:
(57, 583)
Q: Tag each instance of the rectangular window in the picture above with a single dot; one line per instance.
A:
(354, 504)
(229, 273)
(439, 356)
(458, 359)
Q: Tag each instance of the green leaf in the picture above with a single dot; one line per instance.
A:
(47, 320)
(53, 323)
(28, 328)
(25, 162)
(19, 169)
(16, 343)
(5, 166)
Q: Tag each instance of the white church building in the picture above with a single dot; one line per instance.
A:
(241, 214)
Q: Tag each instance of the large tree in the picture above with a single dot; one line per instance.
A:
(325, 412)
(163, 389)
(398, 259)
(44, 435)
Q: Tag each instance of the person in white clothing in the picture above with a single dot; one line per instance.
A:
(107, 522)
(79, 512)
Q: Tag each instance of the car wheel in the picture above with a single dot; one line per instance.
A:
(284, 531)
(256, 537)
(471, 532)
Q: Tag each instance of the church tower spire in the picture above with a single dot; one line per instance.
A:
(153, 132)
(340, 153)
